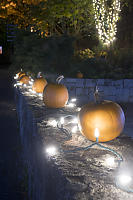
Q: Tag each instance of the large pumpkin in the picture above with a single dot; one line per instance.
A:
(24, 79)
(107, 116)
(55, 95)
(39, 85)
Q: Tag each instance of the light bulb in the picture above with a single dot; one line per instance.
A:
(51, 151)
(52, 123)
(73, 100)
(75, 120)
(62, 120)
(71, 105)
(96, 132)
(74, 129)
(124, 179)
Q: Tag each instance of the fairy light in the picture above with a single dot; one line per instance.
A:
(31, 82)
(75, 120)
(78, 109)
(73, 100)
(106, 18)
(16, 76)
(62, 120)
(96, 133)
(70, 105)
(53, 123)
(40, 94)
(74, 129)
(51, 151)
(124, 179)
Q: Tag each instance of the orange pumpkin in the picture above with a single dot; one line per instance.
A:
(20, 74)
(107, 116)
(39, 85)
(79, 74)
(55, 95)
(24, 79)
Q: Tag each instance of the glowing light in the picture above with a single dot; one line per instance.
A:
(71, 105)
(62, 120)
(74, 129)
(16, 76)
(31, 82)
(110, 161)
(40, 95)
(30, 90)
(24, 85)
(75, 120)
(53, 123)
(124, 179)
(19, 83)
(73, 100)
(51, 151)
(96, 133)
(106, 18)
(78, 109)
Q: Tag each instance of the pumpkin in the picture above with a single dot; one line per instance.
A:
(107, 116)
(39, 85)
(55, 95)
(24, 79)
(20, 74)
(79, 74)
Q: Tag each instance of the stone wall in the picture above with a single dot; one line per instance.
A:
(81, 175)
(114, 90)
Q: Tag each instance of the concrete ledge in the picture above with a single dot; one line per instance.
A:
(82, 175)
(114, 90)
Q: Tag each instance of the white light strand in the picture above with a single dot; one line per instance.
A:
(106, 18)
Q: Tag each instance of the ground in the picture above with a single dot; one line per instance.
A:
(9, 140)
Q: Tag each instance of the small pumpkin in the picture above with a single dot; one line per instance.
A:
(24, 79)
(55, 95)
(20, 74)
(39, 85)
(79, 74)
(105, 115)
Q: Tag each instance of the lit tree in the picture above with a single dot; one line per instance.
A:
(106, 17)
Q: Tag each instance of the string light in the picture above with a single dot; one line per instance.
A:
(74, 99)
(78, 109)
(74, 129)
(124, 179)
(96, 133)
(70, 105)
(106, 18)
(62, 120)
(52, 123)
(51, 151)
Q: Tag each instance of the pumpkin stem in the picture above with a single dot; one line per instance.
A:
(96, 95)
(39, 74)
(58, 80)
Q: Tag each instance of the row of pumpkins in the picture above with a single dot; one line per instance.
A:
(105, 115)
